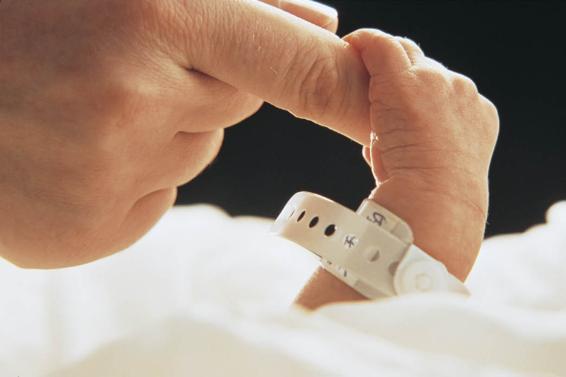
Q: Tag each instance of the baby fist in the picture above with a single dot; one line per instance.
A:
(433, 139)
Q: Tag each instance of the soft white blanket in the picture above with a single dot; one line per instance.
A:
(207, 295)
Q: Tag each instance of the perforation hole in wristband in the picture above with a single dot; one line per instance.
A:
(313, 222)
(330, 230)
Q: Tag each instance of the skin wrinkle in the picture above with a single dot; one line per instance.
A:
(285, 63)
(347, 91)
(377, 81)
(434, 188)
(287, 68)
(317, 86)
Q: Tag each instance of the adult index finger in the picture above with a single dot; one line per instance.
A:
(311, 11)
(288, 62)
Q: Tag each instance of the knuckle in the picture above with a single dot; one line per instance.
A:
(114, 106)
(246, 104)
(493, 122)
(409, 42)
(464, 86)
(120, 99)
(237, 102)
(491, 108)
(432, 77)
(318, 85)
(431, 81)
(411, 47)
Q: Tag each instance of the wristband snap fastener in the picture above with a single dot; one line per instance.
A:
(420, 276)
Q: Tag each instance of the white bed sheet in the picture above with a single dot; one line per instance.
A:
(204, 294)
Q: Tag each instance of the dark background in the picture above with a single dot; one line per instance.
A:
(515, 52)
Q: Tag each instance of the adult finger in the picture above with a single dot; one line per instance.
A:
(311, 11)
(280, 58)
(140, 219)
(182, 159)
(204, 103)
(201, 114)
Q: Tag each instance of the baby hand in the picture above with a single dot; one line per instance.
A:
(434, 137)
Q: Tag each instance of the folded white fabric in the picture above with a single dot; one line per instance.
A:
(207, 295)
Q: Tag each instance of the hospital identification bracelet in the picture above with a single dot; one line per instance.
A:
(370, 250)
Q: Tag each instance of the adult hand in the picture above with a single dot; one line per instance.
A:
(434, 139)
(107, 106)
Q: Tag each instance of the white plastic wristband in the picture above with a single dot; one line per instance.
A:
(382, 217)
(376, 258)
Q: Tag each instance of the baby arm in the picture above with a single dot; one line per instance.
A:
(434, 137)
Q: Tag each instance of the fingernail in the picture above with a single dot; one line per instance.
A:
(315, 6)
